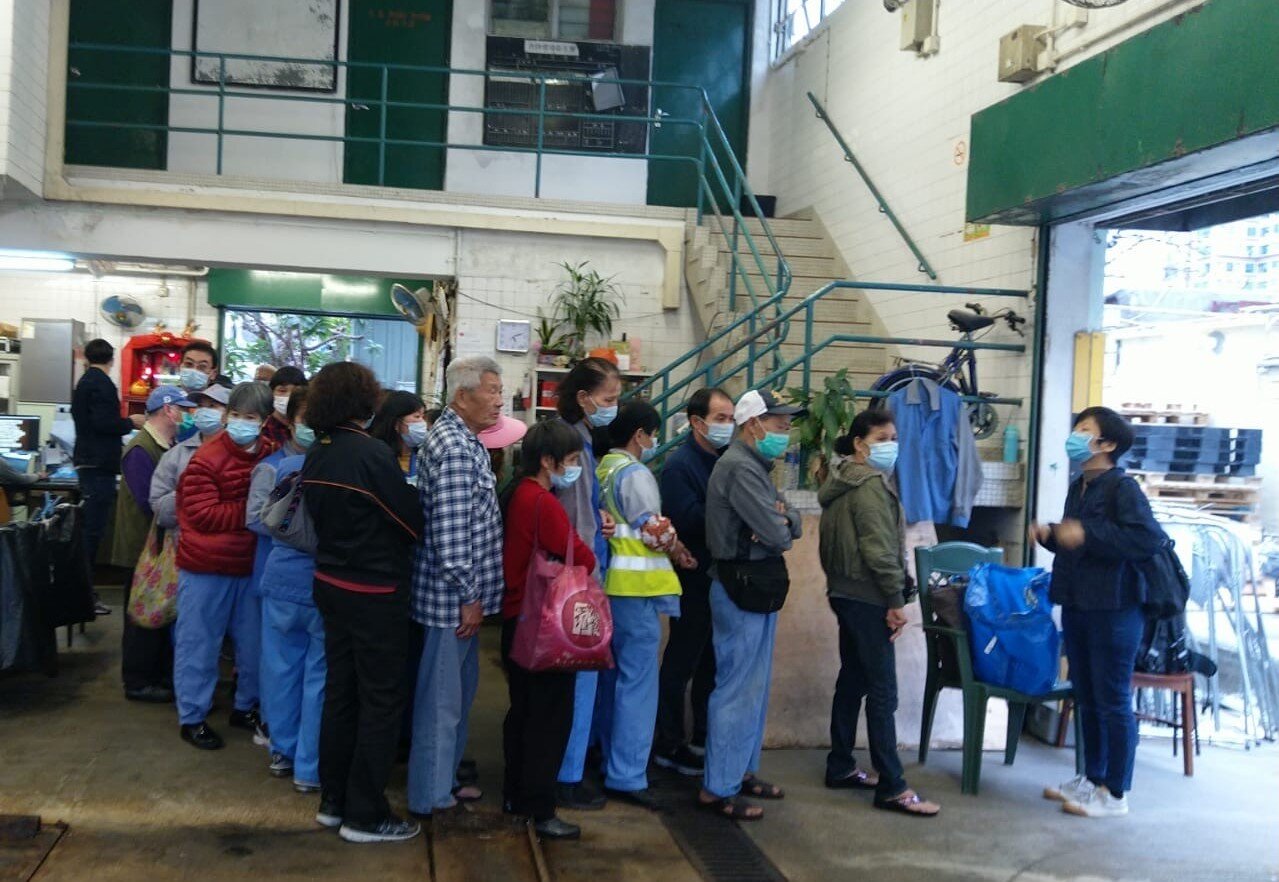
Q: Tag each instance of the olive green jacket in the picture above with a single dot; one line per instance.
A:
(862, 537)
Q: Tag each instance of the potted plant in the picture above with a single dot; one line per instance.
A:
(587, 302)
(829, 414)
(551, 344)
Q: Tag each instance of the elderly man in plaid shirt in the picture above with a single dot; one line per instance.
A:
(457, 579)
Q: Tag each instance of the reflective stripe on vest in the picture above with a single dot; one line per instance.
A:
(634, 569)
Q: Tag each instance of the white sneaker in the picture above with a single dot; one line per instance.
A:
(1077, 789)
(1099, 804)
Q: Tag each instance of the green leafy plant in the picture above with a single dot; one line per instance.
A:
(549, 337)
(587, 302)
(829, 414)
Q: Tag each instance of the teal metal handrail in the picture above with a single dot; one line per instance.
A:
(851, 158)
(722, 188)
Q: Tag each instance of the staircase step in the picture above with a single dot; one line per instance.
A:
(862, 358)
(792, 246)
(823, 268)
(792, 227)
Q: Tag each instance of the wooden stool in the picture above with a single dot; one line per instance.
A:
(1186, 720)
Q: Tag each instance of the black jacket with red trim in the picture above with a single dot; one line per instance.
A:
(366, 517)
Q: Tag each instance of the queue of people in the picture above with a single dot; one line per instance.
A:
(343, 648)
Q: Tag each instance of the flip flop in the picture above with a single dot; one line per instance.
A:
(901, 804)
(761, 789)
(732, 807)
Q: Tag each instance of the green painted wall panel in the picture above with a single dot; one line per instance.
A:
(305, 292)
(1204, 78)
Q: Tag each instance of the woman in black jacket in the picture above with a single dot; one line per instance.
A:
(366, 521)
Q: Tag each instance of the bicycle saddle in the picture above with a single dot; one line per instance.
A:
(969, 321)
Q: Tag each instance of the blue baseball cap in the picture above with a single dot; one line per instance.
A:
(162, 395)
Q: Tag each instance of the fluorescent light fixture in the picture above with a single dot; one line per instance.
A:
(36, 261)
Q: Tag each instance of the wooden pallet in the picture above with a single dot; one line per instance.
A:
(1179, 478)
(1204, 493)
(1165, 417)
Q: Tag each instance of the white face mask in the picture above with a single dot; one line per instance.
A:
(282, 404)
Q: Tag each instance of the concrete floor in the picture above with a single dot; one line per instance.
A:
(141, 804)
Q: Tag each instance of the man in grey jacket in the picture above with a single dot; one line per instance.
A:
(746, 521)
(164, 482)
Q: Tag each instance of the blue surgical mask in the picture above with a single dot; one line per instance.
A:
(186, 428)
(193, 380)
(647, 453)
(602, 417)
(243, 432)
(414, 435)
(208, 420)
(303, 435)
(883, 456)
(773, 444)
(567, 479)
(719, 434)
(1079, 447)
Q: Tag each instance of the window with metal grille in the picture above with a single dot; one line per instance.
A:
(793, 20)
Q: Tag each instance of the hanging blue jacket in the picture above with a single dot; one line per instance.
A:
(938, 469)
(289, 571)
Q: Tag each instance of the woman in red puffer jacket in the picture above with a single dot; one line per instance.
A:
(216, 595)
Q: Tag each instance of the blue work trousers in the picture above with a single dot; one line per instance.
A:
(579, 740)
(629, 700)
(738, 705)
(448, 676)
(211, 606)
(293, 673)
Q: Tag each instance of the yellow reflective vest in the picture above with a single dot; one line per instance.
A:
(634, 569)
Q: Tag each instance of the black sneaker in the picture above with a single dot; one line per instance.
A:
(578, 798)
(251, 721)
(390, 829)
(642, 798)
(281, 766)
(150, 695)
(201, 736)
(100, 608)
(681, 760)
(305, 786)
(467, 773)
(554, 828)
(330, 812)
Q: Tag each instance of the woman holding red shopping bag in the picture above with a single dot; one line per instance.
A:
(537, 725)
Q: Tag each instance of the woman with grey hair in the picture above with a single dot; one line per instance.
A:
(216, 553)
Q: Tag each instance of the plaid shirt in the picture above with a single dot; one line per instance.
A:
(460, 557)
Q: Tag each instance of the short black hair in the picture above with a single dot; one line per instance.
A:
(699, 404)
(98, 351)
(395, 406)
(201, 346)
(586, 376)
(1113, 428)
(553, 438)
(863, 424)
(287, 376)
(632, 416)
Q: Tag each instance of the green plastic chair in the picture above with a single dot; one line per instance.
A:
(952, 559)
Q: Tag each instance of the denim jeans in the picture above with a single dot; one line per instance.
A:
(739, 703)
(211, 606)
(293, 672)
(629, 692)
(447, 679)
(1101, 648)
(867, 669)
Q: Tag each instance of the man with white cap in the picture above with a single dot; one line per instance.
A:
(748, 529)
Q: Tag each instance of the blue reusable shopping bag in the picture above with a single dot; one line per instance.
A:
(1011, 632)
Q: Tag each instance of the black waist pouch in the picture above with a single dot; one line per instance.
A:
(757, 586)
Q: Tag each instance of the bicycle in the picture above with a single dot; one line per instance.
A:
(958, 370)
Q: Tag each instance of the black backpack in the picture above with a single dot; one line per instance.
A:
(1166, 587)
(1165, 650)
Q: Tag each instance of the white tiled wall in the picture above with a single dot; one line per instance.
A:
(24, 47)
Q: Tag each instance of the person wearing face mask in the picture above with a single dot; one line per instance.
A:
(862, 549)
(147, 653)
(216, 553)
(293, 668)
(748, 529)
(210, 412)
(537, 725)
(278, 430)
(401, 424)
(198, 368)
(587, 400)
(642, 587)
(688, 655)
(1106, 530)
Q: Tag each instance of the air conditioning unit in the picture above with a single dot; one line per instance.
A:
(1019, 54)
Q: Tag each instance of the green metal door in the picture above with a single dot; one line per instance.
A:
(141, 23)
(410, 32)
(704, 43)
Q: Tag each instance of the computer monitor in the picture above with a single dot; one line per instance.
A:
(19, 434)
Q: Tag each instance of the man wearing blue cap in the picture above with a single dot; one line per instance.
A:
(147, 665)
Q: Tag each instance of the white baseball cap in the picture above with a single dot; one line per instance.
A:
(759, 402)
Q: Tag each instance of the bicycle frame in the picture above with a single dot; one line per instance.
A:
(952, 368)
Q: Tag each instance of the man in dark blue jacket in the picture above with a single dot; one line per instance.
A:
(688, 654)
(99, 441)
(1107, 529)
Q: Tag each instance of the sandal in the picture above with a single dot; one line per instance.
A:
(467, 793)
(761, 789)
(909, 803)
(732, 807)
(857, 779)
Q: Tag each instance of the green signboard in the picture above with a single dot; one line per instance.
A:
(305, 292)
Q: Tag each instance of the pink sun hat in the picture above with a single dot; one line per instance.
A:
(504, 434)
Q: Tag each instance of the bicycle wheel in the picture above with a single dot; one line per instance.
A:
(984, 419)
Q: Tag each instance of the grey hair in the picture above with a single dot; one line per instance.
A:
(251, 398)
(468, 373)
